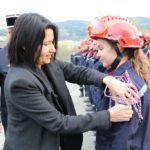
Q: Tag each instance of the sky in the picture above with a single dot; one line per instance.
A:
(62, 10)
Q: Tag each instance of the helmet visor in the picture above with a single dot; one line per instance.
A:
(99, 29)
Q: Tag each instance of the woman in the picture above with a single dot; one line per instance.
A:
(118, 46)
(41, 115)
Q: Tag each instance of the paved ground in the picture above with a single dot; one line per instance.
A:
(89, 138)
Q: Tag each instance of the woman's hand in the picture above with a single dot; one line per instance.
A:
(123, 90)
(120, 113)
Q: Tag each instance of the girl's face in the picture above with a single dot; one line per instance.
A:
(48, 49)
(106, 52)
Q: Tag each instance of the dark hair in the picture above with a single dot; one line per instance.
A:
(27, 38)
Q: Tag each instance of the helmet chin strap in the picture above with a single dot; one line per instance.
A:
(118, 58)
(127, 52)
(116, 62)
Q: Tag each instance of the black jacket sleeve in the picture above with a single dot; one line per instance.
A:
(30, 103)
(81, 75)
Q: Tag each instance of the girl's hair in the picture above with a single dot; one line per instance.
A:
(139, 61)
(27, 39)
(141, 65)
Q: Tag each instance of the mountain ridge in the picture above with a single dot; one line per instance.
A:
(76, 30)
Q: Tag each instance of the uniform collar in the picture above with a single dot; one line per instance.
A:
(126, 66)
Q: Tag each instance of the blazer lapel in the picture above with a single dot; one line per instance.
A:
(57, 78)
(49, 93)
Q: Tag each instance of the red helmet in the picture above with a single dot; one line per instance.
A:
(87, 41)
(147, 37)
(117, 29)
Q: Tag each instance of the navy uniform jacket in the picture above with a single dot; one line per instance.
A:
(4, 66)
(96, 92)
(77, 59)
(4, 62)
(34, 105)
(131, 135)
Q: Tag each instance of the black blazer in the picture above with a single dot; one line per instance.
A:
(34, 106)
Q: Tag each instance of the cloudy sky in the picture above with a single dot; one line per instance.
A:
(61, 10)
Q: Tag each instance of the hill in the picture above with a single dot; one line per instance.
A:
(143, 23)
(76, 30)
(2, 32)
(72, 30)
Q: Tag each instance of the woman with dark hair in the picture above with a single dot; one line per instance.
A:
(41, 114)
(120, 50)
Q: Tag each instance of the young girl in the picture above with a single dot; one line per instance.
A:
(118, 47)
